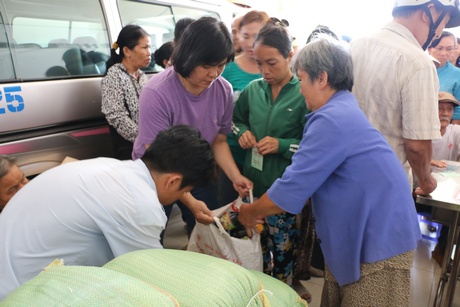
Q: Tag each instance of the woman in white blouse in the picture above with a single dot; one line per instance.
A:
(122, 85)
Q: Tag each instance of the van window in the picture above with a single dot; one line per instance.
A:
(158, 20)
(6, 62)
(50, 92)
(50, 40)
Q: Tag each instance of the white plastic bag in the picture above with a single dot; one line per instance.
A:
(215, 241)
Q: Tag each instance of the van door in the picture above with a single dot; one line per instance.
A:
(52, 58)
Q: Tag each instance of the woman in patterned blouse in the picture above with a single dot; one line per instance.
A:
(122, 85)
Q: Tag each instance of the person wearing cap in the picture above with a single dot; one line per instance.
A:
(442, 49)
(446, 148)
(12, 179)
(396, 84)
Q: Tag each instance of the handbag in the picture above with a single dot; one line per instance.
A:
(214, 240)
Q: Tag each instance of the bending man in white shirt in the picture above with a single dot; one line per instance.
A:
(88, 212)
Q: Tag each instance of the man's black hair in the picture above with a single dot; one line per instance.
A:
(181, 149)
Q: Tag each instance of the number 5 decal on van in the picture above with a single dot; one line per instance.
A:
(14, 101)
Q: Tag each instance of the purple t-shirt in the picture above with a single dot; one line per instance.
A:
(164, 102)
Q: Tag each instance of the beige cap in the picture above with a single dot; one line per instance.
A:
(447, 97)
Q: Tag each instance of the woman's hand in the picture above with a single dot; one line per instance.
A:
(249, 221)
(268, 145)
(242, 185)
(247, 140)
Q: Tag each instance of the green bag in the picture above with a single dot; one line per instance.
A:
(86, 286)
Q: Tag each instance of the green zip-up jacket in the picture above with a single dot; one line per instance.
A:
(283, 119)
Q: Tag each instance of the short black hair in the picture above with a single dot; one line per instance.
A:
(181, 149)
(129, 36)
(163, 53)
(181, 24)
(206, 41)
(275, 35)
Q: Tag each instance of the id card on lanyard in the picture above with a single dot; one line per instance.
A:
(257, 160)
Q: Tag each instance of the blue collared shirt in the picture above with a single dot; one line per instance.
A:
(361, 197)
(449, 81)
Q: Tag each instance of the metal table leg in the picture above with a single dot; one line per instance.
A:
(444, 277)
(454, 271)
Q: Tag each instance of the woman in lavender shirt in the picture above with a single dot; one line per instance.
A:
(192, 92)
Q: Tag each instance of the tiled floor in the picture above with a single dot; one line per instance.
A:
(424, 274)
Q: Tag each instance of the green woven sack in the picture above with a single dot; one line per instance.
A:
(193, 279)
(86, 286)
(277, 292)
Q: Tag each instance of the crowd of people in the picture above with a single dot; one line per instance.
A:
(333, 138)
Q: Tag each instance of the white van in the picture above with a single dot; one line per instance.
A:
(52, 59)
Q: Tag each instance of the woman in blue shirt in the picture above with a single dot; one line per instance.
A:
(442, 50)
(361, 198)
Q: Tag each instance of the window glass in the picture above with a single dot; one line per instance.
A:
(6, 62)
(157, 20)
(181, 12)
(51, 40)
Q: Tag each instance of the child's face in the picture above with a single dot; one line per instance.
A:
(446, 111)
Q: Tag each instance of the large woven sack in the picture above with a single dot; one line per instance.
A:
(278, 293)
(86, 286)
(193, 279)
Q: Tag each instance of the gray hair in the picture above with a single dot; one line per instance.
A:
(6, 162)
(326, 54)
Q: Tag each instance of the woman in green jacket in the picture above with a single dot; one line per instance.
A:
(269, 117)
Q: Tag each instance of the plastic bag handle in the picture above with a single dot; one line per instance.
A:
(220, 226)
(239, 201)
(251, 197)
